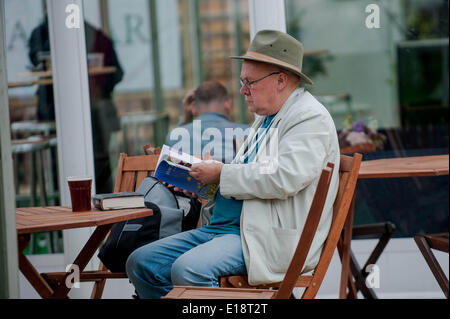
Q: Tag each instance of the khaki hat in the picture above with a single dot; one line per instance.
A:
(277, 48)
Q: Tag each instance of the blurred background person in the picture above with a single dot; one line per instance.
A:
(104, 116)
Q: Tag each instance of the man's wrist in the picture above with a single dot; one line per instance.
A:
(221, 172)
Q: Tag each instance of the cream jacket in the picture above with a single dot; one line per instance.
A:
(277, 188)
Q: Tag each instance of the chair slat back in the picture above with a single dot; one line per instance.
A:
(131, 170)
(348, 176)
(307, 236)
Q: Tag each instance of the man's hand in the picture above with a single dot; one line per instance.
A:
(207, 158)
(207, 172)
(187, 193)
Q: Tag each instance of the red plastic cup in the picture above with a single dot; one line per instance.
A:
(80, 193)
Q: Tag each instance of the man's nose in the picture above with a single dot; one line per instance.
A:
(244, 90)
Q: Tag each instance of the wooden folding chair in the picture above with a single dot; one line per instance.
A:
(238, 286)
(297, 261)
(131, 170)
(438, 242)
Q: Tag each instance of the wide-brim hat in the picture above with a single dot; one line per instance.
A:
(277, 48)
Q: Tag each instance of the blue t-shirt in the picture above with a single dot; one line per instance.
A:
(226, 214)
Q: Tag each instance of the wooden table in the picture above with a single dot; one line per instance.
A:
(419, 166)
(435, 165)
(40, 219)
(45, 77)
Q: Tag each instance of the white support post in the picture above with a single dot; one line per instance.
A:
(9, 277)
(266, 14)
(72, 113)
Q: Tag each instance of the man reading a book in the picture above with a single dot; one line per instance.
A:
(253, 223)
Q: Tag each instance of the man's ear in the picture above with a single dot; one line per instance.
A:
(282, 80)
(194, 110)
(227, 106)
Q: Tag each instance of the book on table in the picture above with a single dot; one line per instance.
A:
(121, 200)
(173, 167)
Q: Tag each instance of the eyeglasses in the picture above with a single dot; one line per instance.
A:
(250, 84)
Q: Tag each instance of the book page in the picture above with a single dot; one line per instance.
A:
(178, 157)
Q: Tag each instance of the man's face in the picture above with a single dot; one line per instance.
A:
(262, 96)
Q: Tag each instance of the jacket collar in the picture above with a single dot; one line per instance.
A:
(258, 121)
(287, 105)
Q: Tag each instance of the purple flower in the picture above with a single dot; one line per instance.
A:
(355, 138)
(358, 126)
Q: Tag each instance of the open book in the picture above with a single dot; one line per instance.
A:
(173, 167)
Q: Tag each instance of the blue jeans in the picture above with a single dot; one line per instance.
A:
(191, 258)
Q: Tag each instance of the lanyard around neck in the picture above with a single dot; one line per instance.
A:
(254, 144)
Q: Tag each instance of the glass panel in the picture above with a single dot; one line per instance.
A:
(224, 31)
(141, 99)
(391, 73)
(105, 73)
(32, 114)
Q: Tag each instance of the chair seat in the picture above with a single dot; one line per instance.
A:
(188, 292)
(242, 282)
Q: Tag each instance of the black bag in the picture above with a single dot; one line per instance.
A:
(173, 212)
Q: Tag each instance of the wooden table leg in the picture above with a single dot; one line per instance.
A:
(38, 281)
(84, 257)
(28, 270)
(360, 279)
(99, 286)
